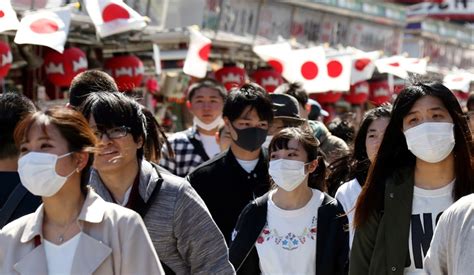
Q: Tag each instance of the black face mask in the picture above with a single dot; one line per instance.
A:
(250, 139)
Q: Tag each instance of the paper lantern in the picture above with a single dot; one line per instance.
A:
(5, 59)
(327, 97)
(268, 78)
(231, 76)
(127, 70)
(358, 94)
(379, 92)
(62, 68)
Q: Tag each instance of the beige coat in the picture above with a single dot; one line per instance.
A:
(114, 241)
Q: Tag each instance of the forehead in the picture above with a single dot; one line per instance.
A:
(42, 130)
(249, 113)
(427, 103)
(206, 92)
(379, 123)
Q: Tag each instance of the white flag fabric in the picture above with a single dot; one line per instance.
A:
(274, 55)
(415, 65)
(339, 72)
(197, 57)
(8, 19)
(392, 65)
(48, 27)
(113, 16)
(308, 66)
(459, 80)
(363, 66)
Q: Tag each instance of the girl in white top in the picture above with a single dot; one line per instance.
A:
(366, 146)
(73, 226)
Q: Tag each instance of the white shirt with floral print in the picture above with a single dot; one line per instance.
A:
(287, 243)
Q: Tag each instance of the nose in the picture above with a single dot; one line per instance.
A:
(104, 138)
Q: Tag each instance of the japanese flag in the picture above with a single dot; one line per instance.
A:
(113, 16)
(339, 72)
(458, 81)
(274, 55)
(197, 57)
(8, 19)
(363, 66)
(48, 27)
(415, 65)
(308, 66)
(392, 65)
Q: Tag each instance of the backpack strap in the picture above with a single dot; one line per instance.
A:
(198, 147)
(11, 204)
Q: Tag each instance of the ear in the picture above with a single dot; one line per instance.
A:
(228, 124)
(140, 142)
(81, 159)
(188, 104)
(312, 166)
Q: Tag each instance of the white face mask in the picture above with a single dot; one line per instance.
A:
(213, 125)
(38, 173)
(287, 174)
(268, 139)
(431, 141)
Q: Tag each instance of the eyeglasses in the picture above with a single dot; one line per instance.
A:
(113, 133)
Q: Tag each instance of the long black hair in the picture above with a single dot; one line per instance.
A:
(394, 155)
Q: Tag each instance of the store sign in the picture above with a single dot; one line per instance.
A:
(371, 37)
(239, 17)
(447, 9)
(274, 21)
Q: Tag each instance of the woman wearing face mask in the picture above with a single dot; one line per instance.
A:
(366, 145)
(294, 228)
(423, 165)
(74, 231)
(184, 235)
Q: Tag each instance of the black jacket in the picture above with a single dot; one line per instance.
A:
(332, 245)
(227, 188)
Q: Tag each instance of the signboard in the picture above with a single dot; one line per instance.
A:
(239, 17)
(371, 37)
(274, 20)
(447, 9)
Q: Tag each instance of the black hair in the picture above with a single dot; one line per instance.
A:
(115, 109)
(13, 108)
(394, 155)
(87, 82)
(294, 89)
(310, 144)
(207, 83)
(343, 129)
(470, 102)
(250, 94)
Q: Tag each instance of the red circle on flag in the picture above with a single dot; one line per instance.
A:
(204, 52)
(395, 64)
(334, 68)
(44, 25)
(361, 63)
(276, 65)
(309, 70)
(113, 12)
(2, 14)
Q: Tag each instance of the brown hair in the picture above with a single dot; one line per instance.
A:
(71, 125)
(311, 146)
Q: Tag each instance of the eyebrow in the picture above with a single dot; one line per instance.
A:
(430, 109)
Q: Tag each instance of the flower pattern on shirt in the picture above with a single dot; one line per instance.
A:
(289, 241)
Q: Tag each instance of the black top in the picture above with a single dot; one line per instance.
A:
(227, 188)
(29, 203)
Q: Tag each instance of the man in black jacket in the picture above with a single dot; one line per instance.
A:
(15, 200)
(228, 182)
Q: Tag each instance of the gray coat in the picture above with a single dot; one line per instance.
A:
(184, 235)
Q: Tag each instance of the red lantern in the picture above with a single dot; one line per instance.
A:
(327, 97)
(231, 76)
(358, 94)
(127, 70)
(268, 78)
(379, 92)
(62, 68)
(5, 59)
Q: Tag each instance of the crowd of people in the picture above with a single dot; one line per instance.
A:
(258, 184)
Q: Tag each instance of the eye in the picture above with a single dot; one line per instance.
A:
(371, 136)
(292, 154)
(23, 150)
(272, 157)
(45, 145)
(412, 120)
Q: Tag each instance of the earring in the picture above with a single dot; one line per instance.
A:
(77, 170)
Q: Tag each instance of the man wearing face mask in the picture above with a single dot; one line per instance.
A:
(197, 144)
(15, 200)
(232, 179)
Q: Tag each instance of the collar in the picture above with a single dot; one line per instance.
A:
(148, 179)
(194, 133)
(92, 211)
(262, 163)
